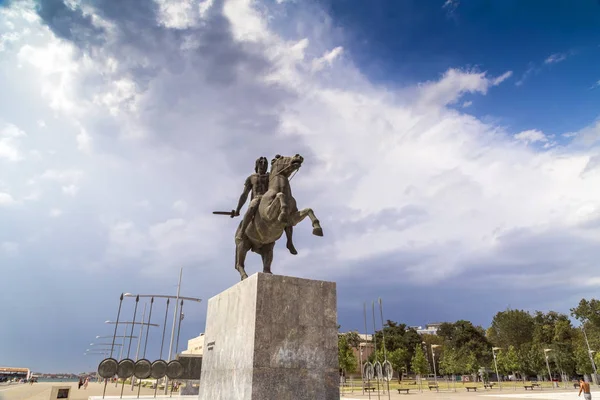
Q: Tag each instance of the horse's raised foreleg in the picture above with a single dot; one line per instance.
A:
(307, 212)
(241, 250)
(266, 252)
(284, 211)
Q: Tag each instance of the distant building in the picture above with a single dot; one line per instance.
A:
(430, 329)
(10, 373)
(195, 346)
(364, 351)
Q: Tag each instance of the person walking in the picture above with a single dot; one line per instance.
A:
(80, 384)
(585, 388)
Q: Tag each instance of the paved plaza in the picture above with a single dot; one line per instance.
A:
(41, 391)
(547, 394)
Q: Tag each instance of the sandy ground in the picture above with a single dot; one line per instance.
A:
(41, 391)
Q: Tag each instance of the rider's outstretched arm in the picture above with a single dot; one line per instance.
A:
(244, 196)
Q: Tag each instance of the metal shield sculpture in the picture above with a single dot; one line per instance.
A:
(174, 369)
(159, 369)
(125, 368)
(108, 368)
(143, 369)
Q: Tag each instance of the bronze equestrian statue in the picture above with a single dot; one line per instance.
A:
(272, 211)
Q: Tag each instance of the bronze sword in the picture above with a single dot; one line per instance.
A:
(230, 213)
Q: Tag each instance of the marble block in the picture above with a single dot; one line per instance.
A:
(271, 337)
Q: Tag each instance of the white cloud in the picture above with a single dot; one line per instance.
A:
(531, 136)
(555, 58)
(55, 212)
(84, 141)
(467, 104)
(6, 199)
(498, 80)
(9, 248)
(180, 206)
(66, 176)
(9, 142)
(451, 6)
(392, 173)
(327, 59)
(71, 190)
(454, 84)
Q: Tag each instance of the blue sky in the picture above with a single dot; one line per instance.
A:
(451, 153)
(400, 42)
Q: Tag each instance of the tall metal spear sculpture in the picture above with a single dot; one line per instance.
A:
(367, 368)
(112, 346)
(376, 364)
(387, 366)
(137, 301)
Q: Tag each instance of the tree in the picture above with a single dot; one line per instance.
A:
(466, 338)
(511, 327)
(399, 359)
(532, 359)
(508, 361)
(449, 363)
(353, 339)
(397, 336)
(554, 330)
(587, 310)
(346, 358)
(419, 363)
(471, 364)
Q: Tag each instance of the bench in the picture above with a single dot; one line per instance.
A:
(488, 385)
(371, 388)
(535, 384)
(433, 387)
(528, 387)
(471, 387)
(400, 390)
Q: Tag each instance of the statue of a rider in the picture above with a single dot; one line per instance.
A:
(258, 184)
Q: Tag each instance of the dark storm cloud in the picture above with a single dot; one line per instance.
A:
(203, 91)
(70, 24)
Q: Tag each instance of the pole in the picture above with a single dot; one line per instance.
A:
(179, 328)
(121, 352)
(549, 373)
(137, 301)
(173, 328)
(433, 360)
(497, 374)
(137, 351)
(496, 366)
(148, 328)
(366, 335)
(385, 361)
(375, 343)
(113, 340)
(595, 377)
(162, 341)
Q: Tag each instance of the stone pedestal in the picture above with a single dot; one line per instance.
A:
(271, 337)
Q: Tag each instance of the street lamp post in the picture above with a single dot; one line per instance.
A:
(590, 353)
(433, 346)
(548, 366)
(494, 349)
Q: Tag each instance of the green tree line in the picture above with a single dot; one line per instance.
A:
(524, 344)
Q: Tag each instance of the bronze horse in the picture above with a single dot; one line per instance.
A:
(277, 209)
